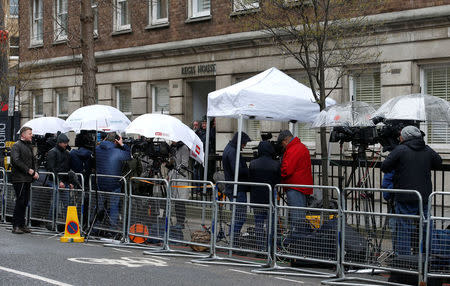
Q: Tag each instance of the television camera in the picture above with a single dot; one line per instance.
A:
(267, 136)
(387, 133)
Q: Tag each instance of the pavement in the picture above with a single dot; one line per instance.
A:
(36, 259)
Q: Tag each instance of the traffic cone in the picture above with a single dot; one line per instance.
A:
(72, 229)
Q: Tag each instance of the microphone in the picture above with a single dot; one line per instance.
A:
(74, 180)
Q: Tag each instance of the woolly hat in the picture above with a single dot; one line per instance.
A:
(410, 132)
(283, 135)
(62, 138)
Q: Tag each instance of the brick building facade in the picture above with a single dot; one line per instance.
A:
(158, 58)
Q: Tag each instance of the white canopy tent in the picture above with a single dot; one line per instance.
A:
(270, 95)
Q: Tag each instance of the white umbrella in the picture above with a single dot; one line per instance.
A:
(97, 117)
(419, 107)
(169, 128)
(352, 114)
(43, 125)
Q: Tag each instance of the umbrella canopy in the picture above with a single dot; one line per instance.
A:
(97, 117)
(43, 125)
(169, 128)
(419, 107)
(352, 114)
(270, 95)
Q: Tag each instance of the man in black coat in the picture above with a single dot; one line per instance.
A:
(23, 172)
(229, 164)
(264, 169)
(412, 162)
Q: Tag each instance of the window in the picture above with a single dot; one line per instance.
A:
(36, 23)
(14, 46)
(159, 12)
(366, 87)
(14, 8)
(306, 133)
(38, 104)
(62, 100)
(60, 24)
(200, 8)
(123, 99)
(253, 129)
(436, 81)
(122, 21)
(94, 6)
(160, 99)
(240, 5)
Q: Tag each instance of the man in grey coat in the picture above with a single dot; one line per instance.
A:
(22, 174)
(179, 165)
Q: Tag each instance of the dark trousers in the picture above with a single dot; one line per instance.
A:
(22, 191)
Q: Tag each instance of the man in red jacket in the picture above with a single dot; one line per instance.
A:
(295, 169)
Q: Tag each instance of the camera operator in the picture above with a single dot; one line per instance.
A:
(229, 163)
(295, 169)
(178, 166)
(412, 162)
(264, 169)
(111, 153)
(81, 158)
(22, 174)
(58, 161)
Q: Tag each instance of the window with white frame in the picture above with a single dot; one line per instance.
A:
(60, 23)
(253, 129)
(62, 102)
(435, 80)
(122, 20)
(365, 86)
(159, 12)
(94, 6)
(200, 8)
(14, 8)
(38, 103)
(241, 5)
(123, 98)
(160, 98)
(37, 21)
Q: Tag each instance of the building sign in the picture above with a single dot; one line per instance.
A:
(12, 91)
(204, 69)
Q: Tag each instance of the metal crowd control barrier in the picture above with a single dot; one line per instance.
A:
(42, 195)
(9, 197)
(111, 213)
(185, 216)
(235, 217)
(69, 197)
(437, 261)
(147, 214)
(379, 239)
(306, 234)
(2, 191)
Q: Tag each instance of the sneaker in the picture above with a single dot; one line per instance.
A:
(17, 230)
(25, 229)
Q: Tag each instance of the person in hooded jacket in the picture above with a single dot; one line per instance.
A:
(110, 155)
(412, 162)
(296, 170)
(263, 169)
(81, 158)
(229, 164)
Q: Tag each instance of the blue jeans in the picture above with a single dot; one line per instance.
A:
(297, 219)
(261, 215)
(241, 212)
(59, 196)
(406, 227)
(113, 206)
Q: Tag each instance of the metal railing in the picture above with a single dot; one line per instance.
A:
(42, 196)
(69, 197)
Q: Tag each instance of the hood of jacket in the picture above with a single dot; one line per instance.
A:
(107, 145)
(244, 139)
(416, 144)
(265, 149)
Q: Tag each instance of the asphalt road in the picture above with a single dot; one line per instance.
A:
(31, 259)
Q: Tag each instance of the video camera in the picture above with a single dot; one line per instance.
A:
(43, 144)
(148, 147)
(266, 136)
(387, 133)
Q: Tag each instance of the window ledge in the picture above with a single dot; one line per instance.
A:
(60, 41)
(157, 26)
(198, 19)
(36, 45)
(121, 32)
(244, 12)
